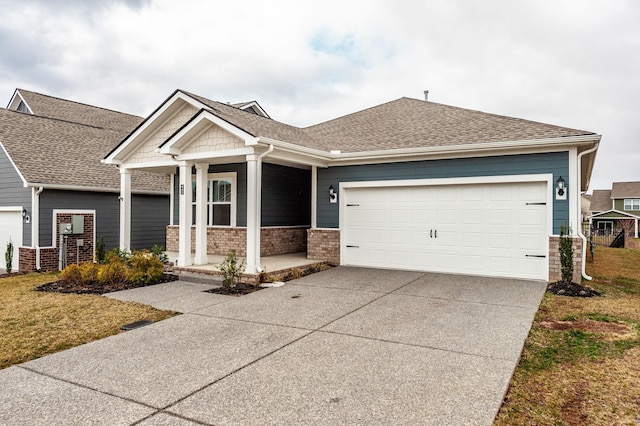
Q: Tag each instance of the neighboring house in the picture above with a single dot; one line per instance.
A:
(408, 184)
(51, 175)
(585, 207)
(610, 209)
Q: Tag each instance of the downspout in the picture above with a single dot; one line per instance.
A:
(259, 204)
(580, 234)
(35, 222)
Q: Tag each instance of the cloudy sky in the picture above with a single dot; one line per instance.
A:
(570, 63)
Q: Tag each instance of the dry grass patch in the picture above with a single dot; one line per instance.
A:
(581, 361)
(33, 324)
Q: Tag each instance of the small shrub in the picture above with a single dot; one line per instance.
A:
(89, 272)
(101, 251)
(231, 269)
(113, 272)
(566, 254)
(160, 253)
(145, 268)
(114, 254)
(72, 274)
(8, 257)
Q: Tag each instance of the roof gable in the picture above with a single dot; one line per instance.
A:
(53, 152)
(601, 200)
(625, 190)
(75, 112)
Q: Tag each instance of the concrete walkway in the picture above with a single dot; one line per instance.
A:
(344, 346)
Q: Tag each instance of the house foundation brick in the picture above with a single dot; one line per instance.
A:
(555, 267)
(220, 241)
(48, 259)
(324, 244)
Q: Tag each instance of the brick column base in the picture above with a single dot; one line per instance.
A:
(555, 268)
(324, 244)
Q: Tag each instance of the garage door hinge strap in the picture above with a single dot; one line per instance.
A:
(536, 204)
(353, 205)
(535, 255)
(348, 246)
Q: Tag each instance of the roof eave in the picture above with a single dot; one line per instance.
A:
(476, 148)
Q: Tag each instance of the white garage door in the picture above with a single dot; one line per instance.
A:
(478, 229)
(10, 228)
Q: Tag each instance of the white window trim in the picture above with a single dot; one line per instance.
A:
(232, 176)
(629, 204)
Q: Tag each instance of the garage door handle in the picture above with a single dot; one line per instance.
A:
(535, 255)
(435, 233)
(348, 246)
(431, 233)
(536, 204)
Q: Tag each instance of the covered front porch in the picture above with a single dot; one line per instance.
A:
(230, 190)
(275, 268)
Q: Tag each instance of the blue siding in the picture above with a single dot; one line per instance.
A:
(13, 193)
(286, 196)
(149, 217)
(556, 163)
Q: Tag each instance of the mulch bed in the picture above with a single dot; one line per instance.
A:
(97, 288)
(240, 289)
(571, 289)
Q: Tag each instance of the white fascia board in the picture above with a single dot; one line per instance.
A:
(457, 151)
(629, 215)
(193, 157)
(255, 105)
(301, 150)
(15, 101)
(186, 134)
(93, 189)
(24, 181)
(121, 151)
(169, 162)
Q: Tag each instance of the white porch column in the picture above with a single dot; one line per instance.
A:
(125, 209)
(201, 214)
(184, 234)
(314, 197)
(252, 215)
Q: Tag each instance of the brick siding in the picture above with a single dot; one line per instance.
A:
(324, 244)
(49, 259)
(273, 241)
(50, 256)
(555, 271)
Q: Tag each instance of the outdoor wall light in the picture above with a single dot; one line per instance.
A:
(25, 216)
(561, 189)
(333, 197)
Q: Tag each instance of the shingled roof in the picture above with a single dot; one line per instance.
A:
(403, 123)
(56, 151)
(76, 112)
(414, 123)
(601, 200)
(625, 190)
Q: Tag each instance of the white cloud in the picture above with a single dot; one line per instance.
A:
(567, 62)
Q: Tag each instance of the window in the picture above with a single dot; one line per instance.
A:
(631, 204)
(221, 195)
(22, 107)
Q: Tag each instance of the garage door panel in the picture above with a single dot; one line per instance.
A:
(485, 229)
(10, 230)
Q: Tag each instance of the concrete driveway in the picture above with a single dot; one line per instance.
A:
(344, 346)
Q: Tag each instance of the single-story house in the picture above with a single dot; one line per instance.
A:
(55, 192)
(408, 184)
(610, 208)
